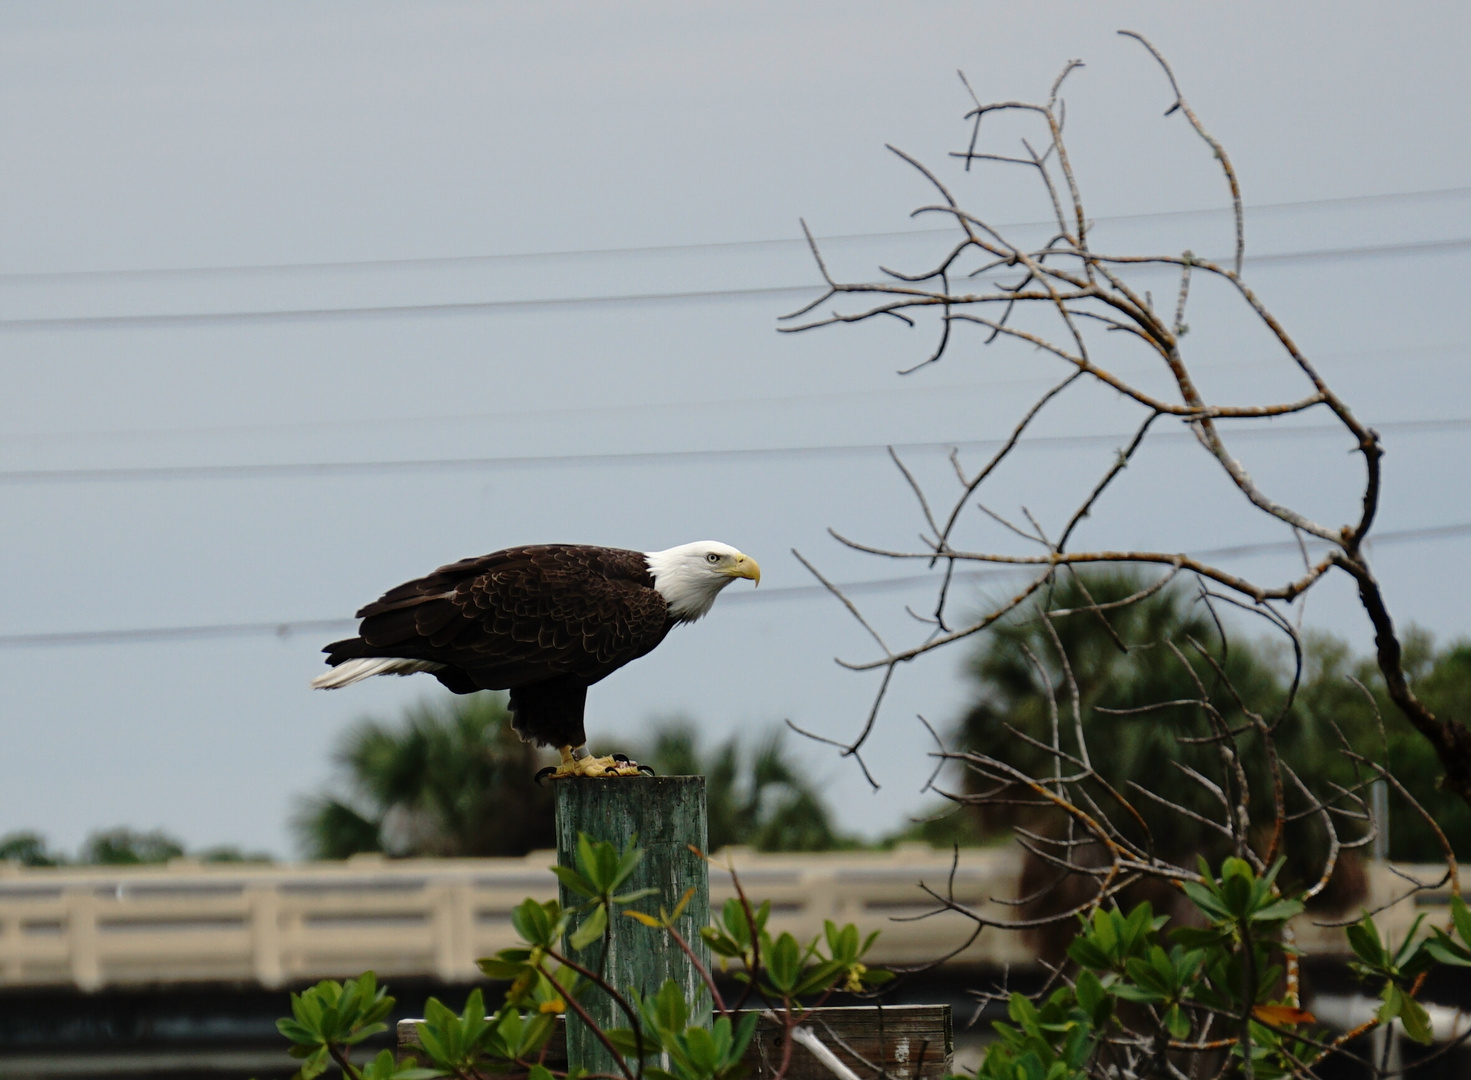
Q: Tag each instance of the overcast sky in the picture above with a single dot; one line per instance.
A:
(305, 234)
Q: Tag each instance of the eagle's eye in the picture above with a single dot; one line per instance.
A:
(714, 556)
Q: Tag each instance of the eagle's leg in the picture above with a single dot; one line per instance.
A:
(576, 762)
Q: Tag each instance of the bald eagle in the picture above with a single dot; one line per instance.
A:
(544, 622)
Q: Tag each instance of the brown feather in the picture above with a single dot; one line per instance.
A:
(545, 622)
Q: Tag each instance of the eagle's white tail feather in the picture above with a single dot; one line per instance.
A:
(350, 671)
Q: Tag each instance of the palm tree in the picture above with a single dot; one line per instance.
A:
(1126, 664)
(451, 779)
(1131, 662)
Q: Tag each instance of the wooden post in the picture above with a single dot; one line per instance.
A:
(666, 816)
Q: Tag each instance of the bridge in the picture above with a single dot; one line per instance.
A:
(274, 925)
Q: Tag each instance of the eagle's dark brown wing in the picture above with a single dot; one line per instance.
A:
(521, 616)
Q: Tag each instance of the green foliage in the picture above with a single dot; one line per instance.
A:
(28, 849)
(116, 847)
(386, 1067)
(1442, 680)
(230, 853)
(1399, 969)
(1145, 748)
(1445, 949)
(1053, 1042)
(783, 968)
(450, 779)
(459, 1042)
(127, 847)
(328, 1019)
(759, 798)
(600, 868)
(1183, 979)
(1224, 973)
(1241, 902)
(695, 1051)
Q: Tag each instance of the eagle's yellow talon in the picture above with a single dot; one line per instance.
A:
(600, 768)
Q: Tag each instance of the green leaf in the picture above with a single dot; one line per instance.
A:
(627, 864)
(627, 1046)
(314, 1065)
(591, 929)
(574, 881)
(1207, 900)
(784, 964)
(1137, 927)
(1177, 1022)
(1364, 940)
(1394, 1000)
(637, 894)
(1148, 979)
(1194, 936)
(1089, 955)
(297, 1032)
(529, 919)
(734, 919)
(1021, 1009)
(1416, 1021)
(384, 1067)
(1236, 892)
(819, 977)
(1130, 992)
(742, 1037)
(586, 859)
(534, 1035)
(366, 1031)
(671, 1012)
(603, 872)
(1445, 951)
(720, 943)
(494, 967)
(1408, 945)
(703, 1052)
(1461, 917)
(1090, 993)
(1278, 911)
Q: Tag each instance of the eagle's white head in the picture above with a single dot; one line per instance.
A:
(690, 576)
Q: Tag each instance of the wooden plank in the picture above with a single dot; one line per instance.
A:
(910, 1042)
(665, 815)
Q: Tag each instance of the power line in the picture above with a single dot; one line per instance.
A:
(106, 322)
(462, 260)
(289, 629)
(313, 469)
(664, 406)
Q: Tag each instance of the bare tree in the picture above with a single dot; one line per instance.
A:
(1070, 291)
(1088, 835)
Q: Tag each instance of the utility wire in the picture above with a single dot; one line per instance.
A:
(670, 405)
(106, 322)
(312, 469)
(461, 260)
(288, 629)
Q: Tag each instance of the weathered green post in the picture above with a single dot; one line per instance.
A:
(666, 815)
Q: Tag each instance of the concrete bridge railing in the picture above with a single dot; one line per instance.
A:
(282, 924)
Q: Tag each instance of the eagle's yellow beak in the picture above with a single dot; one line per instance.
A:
(746, 567)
